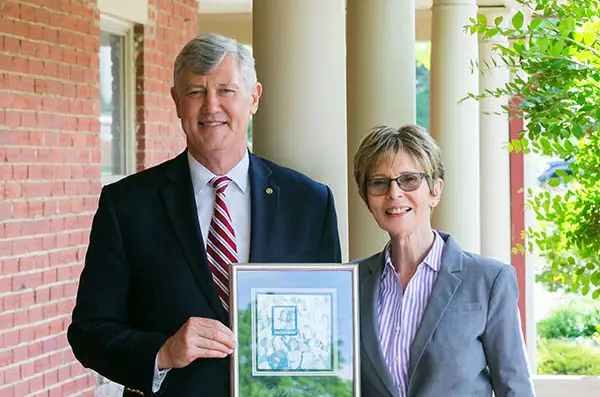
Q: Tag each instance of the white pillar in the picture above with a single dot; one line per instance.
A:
(456, 126)
(495, 158)
(381, 90)
(301, 123)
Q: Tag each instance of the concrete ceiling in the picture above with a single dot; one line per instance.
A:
(225, 6)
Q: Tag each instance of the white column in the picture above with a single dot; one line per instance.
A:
(381, 90)
(299, 46)
(456, 126)
(495, 159)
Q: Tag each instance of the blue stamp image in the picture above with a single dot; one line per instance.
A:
(284, 320)
(294, 332)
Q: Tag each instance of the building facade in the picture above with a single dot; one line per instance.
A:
(85, 100)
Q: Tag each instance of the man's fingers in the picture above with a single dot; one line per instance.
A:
(201, 351)
(207, 353)
(216, 331)
(214, 345)
(212, 324)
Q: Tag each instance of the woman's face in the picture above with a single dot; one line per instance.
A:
(401, 213)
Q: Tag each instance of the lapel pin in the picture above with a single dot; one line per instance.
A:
(269, 190)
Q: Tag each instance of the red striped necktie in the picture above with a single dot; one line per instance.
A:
(221, 249)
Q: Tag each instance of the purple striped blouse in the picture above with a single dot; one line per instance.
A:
(399, 315)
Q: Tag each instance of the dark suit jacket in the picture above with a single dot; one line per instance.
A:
(146, 272)
(469, 341)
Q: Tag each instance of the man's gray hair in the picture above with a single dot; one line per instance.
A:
(205, 52)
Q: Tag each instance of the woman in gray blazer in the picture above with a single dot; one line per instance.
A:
(436, 321)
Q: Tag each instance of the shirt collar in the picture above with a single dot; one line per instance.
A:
(202, 175)
(433, 258)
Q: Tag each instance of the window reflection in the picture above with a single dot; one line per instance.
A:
(111, 103)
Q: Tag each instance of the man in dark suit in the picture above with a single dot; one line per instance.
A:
(152, 305)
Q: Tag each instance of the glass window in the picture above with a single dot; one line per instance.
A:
(111, 104)
(117, 118)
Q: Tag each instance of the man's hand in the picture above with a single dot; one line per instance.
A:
(197, 338)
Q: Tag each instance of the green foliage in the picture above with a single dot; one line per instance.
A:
(572, 321)
(423, 56)
(250, 130)
(555, 60)
(279, 386)
(557, 357)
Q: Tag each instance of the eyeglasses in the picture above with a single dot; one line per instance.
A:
(407, 181)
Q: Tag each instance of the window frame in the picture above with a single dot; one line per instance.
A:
(123, 28)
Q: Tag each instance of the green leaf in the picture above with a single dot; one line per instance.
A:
(568, 24)
(535, 23)
(545, 144)
(516, 145)
(585, 290)
(498, 21)
(481, 19)
(589, 38)
(554, 182)
(596, 294)
(543, 44)
(517, 20)
(558, 48)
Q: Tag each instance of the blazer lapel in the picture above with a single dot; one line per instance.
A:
(369, 282)
(264, 197)
(178, 195)
(444, 289)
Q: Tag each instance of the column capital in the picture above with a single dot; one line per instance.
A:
(496, 10)
(481, 3)
(497, 4)
(491, 14)
(454, 3)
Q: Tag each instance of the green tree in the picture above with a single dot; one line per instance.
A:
(423, 56)
(555, 61)
(281, 386)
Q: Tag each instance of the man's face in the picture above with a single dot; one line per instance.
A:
(215, 109)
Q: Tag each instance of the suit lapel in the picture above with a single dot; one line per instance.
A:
(264, 197)
(369, 282)
(178, 195)
(443, 291)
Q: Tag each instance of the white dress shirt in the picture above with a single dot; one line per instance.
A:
(237, 199)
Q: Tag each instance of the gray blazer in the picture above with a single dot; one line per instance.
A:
(469, 341)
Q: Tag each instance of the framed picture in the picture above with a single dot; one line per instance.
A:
(297, 329)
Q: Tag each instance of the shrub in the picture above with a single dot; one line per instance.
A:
(559, 357)
(571, 321)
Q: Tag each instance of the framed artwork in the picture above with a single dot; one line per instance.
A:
(297, 329)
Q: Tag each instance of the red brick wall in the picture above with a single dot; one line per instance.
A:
(50, 170)
(174, 23)
(517, 209)
(49, 182)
